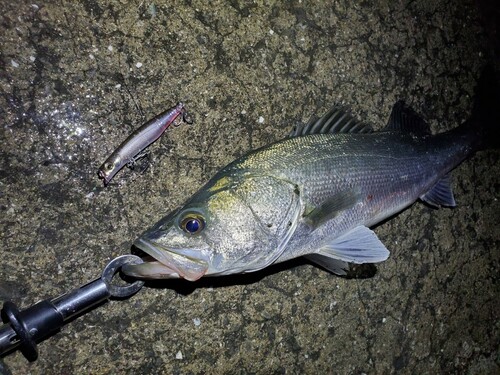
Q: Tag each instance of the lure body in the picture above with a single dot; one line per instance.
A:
(131, 149)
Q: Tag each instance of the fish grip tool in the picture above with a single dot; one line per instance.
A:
(24, 329)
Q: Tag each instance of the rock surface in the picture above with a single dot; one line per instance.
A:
(78, 77)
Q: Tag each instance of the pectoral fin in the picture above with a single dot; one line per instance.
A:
(330, 208)
(360, 245)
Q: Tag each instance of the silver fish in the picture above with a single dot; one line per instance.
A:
(314, 194)
(130, 149)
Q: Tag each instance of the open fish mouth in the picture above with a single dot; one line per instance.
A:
(168, 263)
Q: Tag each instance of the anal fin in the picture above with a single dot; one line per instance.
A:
(441, 194)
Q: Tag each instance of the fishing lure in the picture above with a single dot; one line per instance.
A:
(131, 149)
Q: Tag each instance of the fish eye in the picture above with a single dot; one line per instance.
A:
(192, 224)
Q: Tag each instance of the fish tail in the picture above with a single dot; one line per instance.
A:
(485, 118)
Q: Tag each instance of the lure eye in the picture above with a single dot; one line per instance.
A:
(192, 224)
(106, 168)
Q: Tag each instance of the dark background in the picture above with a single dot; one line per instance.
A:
(78, 77)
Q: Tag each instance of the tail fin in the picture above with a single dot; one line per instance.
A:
(486, 111)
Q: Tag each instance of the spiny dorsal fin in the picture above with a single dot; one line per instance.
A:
(337, 120)
(404, 119)
(441, 194)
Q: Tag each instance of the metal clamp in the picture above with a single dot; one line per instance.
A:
(27, 327)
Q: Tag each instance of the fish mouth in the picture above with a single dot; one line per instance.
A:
(168, 264)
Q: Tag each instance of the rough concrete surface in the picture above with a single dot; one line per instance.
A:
(77, 77)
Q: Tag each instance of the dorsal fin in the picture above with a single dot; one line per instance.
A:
(405, 119)
(337, 120)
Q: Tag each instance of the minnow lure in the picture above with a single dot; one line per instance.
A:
(131, 149)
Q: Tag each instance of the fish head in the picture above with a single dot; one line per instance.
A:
(233, 225)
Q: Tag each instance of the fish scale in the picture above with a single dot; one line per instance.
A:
(393, 169)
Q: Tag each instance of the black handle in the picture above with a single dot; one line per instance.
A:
(30, 325)
(27, 327)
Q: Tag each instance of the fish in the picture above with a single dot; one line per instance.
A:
(131, 149)
(315, 194)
